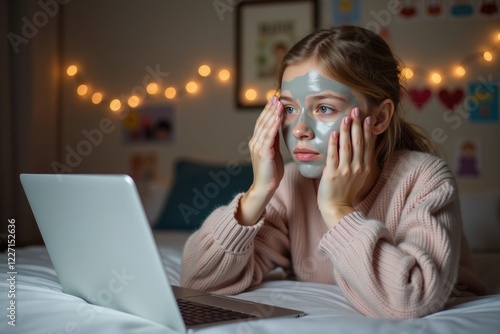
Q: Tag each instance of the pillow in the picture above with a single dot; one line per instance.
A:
(481, 220)
(200, 188)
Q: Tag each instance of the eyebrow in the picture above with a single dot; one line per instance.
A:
(287, 98)
(323, 96)
(319, 96)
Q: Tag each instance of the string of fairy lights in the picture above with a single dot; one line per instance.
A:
(171, 92)
(459, 70)
(152, 89)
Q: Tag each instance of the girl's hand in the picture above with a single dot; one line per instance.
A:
(267, 163)
(347, 168)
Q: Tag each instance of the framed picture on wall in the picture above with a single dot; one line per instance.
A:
(265, 31)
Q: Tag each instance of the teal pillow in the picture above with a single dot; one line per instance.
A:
(198, 189)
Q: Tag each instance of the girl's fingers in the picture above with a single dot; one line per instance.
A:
(357, 135)
(345, 147)
(267, 125)
(332, 159)
(367, 134)
(264, 115)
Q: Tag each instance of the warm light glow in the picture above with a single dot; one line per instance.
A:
(133, 101)
(170, 92)
(498, 36)
(152, 88)
(250, 94)
(270, 94)
(72, 70)
(115, 105)
(460, 71)
(204, 70)
(191, 87)
(96, 98)
(488, 56)
(224, 75)
(82, 90)
(407, 72)
(435, 77)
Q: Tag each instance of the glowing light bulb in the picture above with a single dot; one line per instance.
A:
(204, 70)
(152, 88)
(72, 70)
(460, 71)
(407, 72)
(250, 94)
(191, 87)
(133, 101)
(436, 78)
(82, 90)
(170, 92)
(96, 98)
(488, 56)
(224, 75)
(115, 105)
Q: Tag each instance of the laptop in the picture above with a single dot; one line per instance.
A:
(103, 250)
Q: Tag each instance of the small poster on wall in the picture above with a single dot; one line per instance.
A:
(483, 102)
(265, 31)
(149, 123)
(346, 12)
(144, 167)
(468, 158)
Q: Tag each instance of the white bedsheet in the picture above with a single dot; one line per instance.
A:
(42, 307)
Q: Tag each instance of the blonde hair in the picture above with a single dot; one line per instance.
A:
(362, 60)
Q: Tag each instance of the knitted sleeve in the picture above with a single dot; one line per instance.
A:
(225, 257)
(407, 265)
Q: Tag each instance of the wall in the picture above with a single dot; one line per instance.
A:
(439, 45)
(114, 41)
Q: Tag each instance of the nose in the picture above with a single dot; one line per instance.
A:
(301, 130)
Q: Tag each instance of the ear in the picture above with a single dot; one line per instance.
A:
(382, 116)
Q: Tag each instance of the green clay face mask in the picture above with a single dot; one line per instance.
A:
(314, 107)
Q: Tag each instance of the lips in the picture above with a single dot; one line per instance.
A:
(304, 154)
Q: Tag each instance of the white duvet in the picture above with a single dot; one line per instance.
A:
(42, 307)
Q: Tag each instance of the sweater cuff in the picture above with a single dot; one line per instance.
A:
(229, 234)
(341, 235)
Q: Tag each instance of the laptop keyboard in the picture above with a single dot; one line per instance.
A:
(197, 314)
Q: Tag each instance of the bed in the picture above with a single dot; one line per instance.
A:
(42, 307)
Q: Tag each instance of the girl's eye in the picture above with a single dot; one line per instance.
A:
(289, 110)
(326, 110)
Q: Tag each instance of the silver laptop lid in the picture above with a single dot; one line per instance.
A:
(101, 245)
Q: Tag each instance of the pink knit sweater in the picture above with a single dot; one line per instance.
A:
(401, 254)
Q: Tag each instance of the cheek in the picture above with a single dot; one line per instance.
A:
(286, 131)
(324, 130)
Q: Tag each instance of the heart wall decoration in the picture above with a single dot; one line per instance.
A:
(420, 97)
(451, 98)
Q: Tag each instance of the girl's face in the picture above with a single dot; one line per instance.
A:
(314, 106)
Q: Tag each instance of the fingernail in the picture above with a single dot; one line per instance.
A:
(347, 119)
(356, 112)
(278, 104)
(273, 99)
(369, 120)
